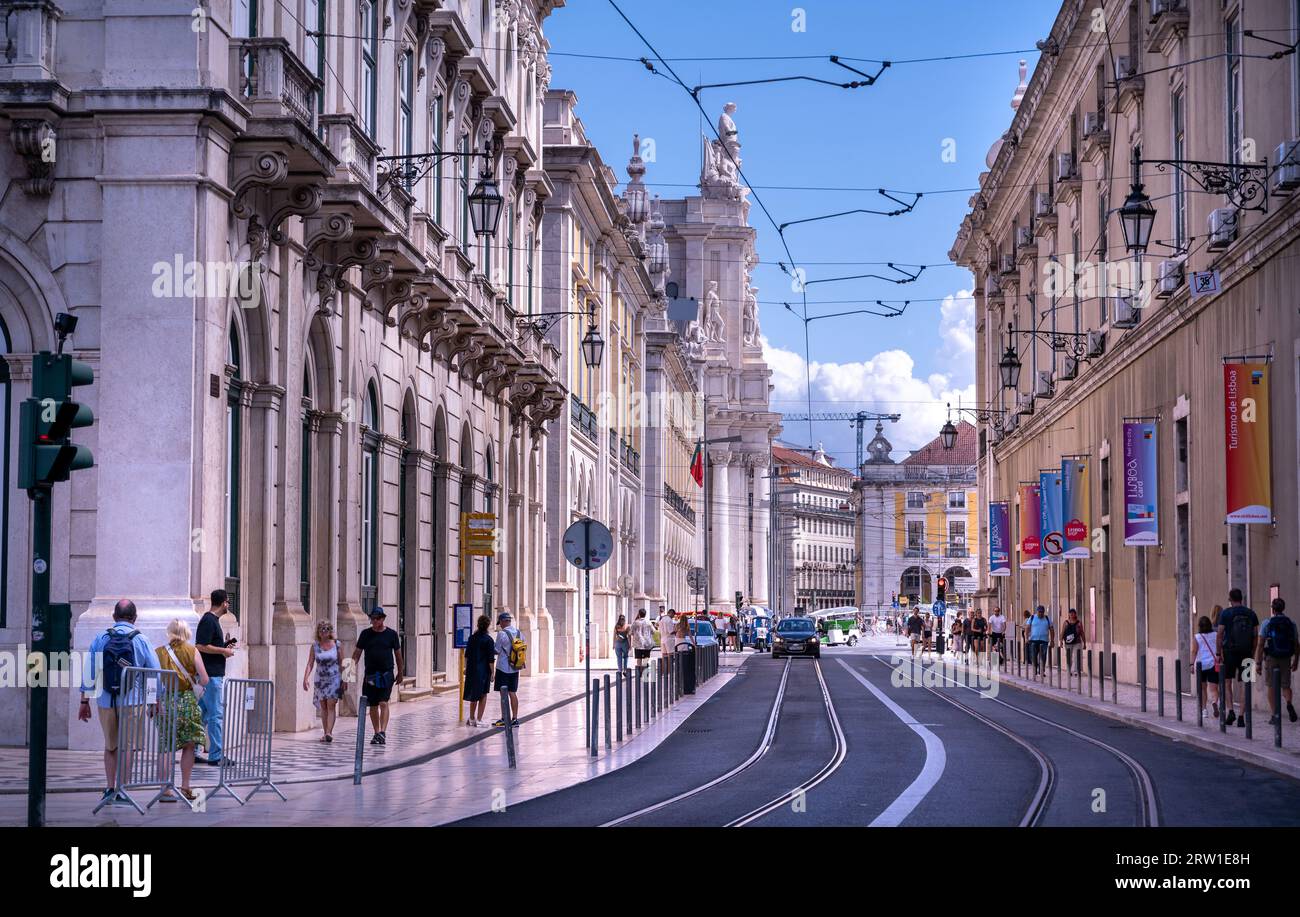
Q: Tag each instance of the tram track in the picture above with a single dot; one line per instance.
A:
(839, 753)
(1148, 809)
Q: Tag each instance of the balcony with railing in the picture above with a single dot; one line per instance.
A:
(631, 459)
(679, 504)
(272, 82)
(582, 418)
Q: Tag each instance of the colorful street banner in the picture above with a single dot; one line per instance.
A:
(1246, 441)
(1052, 528)
(1076, 503)
(999, 539)
(1141, 485)
(1030, 521)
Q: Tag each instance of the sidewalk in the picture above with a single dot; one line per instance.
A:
(417, 730)
(448, 774)
(1259, 750)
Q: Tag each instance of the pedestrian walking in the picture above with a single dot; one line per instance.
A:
(1278, 651)
(1073, 642)
(977, 631)
(958, 636)
(215, 648)
(110, 652)
(643, 639)
(480, 656)
(1208, 657)
(1041, 635)
(667, 632)
(732, 634)
(180, 656)
(927, 634)
(383, 651)
(327, 687)
(915, 630)
(512, 655)
(622, 642)
(998, 633)
(1238, 630)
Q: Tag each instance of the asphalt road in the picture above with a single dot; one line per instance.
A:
(805, 743)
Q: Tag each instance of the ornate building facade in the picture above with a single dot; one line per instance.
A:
(917, 520)
(308, 364)
(1176, 85)
(816, 521)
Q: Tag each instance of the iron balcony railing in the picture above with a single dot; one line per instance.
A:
(677, 502)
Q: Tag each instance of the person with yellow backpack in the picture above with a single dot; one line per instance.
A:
(512, 656)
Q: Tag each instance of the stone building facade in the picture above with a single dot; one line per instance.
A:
(917, 520)
(307, 363)
(816, 522)
(1181, 82)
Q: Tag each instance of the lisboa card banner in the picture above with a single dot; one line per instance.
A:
(1076, 500)
(999, 539)
(1030, 520)
(1052, 527)
(1141, 522)
(1245, 416)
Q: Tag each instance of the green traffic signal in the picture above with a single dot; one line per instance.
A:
(47, 419)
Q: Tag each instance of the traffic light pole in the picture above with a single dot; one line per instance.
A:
(39, 699)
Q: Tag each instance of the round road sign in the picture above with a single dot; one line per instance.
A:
(1053, 543)
(587, 544)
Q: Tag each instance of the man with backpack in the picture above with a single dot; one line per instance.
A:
(512, 656)
(1278, 651)
(1237, 632)
(110, 652)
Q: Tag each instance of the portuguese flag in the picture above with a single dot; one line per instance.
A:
(697, 466)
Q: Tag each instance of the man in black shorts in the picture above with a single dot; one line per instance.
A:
(1238, 629)
(914, 630)
(383, 650)
(975, 634)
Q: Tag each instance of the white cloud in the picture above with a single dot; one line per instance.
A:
(887, 382)
(957, 332)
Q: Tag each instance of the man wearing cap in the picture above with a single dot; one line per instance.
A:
(383, 650)
(507, 676)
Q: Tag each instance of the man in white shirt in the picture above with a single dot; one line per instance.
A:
(998, 628)
(667, 633)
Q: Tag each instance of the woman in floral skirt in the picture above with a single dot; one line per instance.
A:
(180, 657)
(328, 686)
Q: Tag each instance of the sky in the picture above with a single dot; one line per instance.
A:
(810, 149)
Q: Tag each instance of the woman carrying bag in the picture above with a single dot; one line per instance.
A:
(179, 656)
(1210, 662)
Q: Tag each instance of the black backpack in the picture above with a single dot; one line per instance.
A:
(119, 653)
(1281, 639)
(1237, 635)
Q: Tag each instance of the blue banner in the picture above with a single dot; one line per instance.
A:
(999, 539)
(1052, 526)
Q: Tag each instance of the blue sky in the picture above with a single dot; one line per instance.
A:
(890, 135)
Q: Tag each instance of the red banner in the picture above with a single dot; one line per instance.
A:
(1246, 443)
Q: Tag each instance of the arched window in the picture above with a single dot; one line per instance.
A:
(489, 506)
(369, 500)
(304, 487)
(5, 392)
(234, 451)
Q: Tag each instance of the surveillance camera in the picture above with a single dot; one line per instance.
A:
(65, 324)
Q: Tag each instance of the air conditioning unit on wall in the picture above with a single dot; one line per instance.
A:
(1223, 228)
(1124, 313)
(1043, 384)
(1096, 344)
(1286, 176)
(1169, 277)
(1093, 123)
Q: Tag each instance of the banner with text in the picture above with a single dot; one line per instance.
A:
(1051, 532)
(1030, 520)
(1076, 507)
(1246, 443)
(999, 539)
(1141, 521)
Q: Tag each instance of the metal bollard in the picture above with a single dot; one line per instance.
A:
(1277, 706)
(1090, 674)
(507, 717)
(1101, 676)
(595, 712)
(609, 737)
(636, 686)
(1160, 685)
(1223, 706)
(1249, 713)
(1200, 698)
(618, 734)
(1142, 679)
(361, 740)
(1178, 689)
(629, 688)
(1114, 678)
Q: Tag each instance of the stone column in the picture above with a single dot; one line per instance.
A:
(762, 528)
(716, 520)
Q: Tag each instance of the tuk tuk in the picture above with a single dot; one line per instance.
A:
(756, 627)
(838, 626)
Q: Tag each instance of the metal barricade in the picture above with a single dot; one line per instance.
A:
(249, 724)
(147, 708)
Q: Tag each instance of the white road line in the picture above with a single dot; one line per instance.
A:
(936, 759)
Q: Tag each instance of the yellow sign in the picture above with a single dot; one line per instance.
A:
(478, 533)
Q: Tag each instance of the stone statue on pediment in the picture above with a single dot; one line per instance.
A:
(715, 327)
(751, 317)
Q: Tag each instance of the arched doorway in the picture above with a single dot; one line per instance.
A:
(6, 390)
(951, 576)
(489, 506)
(438, 604)
(915, 584)
(408, 539)
(234, 462)
(370, 500)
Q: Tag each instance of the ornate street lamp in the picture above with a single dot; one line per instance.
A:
(593, 345)
(1010, 368)
(485, 203)
(1138, 214)
(948, 435)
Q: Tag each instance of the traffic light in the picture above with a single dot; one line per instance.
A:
(943, 584)
(46, 421)
(740, 600)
